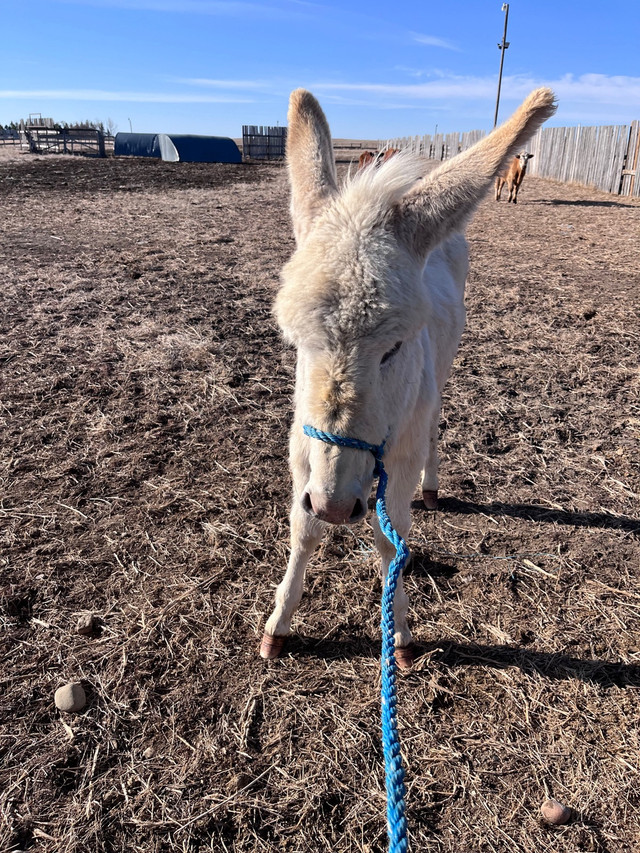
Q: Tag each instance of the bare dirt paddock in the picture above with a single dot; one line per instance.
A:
(144, 409)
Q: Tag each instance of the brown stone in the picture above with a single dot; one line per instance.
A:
(85, 623)
(555, 813)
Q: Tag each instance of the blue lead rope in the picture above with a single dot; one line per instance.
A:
(394, 772)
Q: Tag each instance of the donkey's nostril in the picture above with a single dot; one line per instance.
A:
(306, 503)
(358, 511)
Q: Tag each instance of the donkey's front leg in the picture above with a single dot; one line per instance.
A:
(430, 472)
(306, 533)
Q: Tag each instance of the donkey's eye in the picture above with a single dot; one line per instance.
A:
(391, 352)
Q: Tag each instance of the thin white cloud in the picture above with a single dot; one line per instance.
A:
(219, 8)
(586, 88)
(132, 97)
(624, 91)
(434, 41)
(371, 103)
(610, 98)
(206, 83)
(453, 87)
(410, 72)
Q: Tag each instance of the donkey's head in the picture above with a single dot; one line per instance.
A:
(352, 299)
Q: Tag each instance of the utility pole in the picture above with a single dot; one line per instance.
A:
(504, 44)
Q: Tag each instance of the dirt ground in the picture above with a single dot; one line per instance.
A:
(144, 408)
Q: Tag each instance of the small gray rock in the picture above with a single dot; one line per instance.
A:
(85, 622)
(70, 697)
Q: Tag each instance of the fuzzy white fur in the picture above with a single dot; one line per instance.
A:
(378, 262)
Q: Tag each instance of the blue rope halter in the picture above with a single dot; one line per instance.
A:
(394, 772)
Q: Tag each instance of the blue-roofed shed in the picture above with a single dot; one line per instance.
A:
(198, 149)
(136, 145)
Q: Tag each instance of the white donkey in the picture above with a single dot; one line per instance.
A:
(373, 300)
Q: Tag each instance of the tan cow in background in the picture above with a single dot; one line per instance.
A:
(513, 176)
(367, 158)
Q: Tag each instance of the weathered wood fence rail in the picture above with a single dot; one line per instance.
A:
(602, 157)
(607, 158)
(263, 143)
(440, 146)
(9, 136)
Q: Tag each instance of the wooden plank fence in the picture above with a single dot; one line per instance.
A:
(591, 156)
(630, 179)
(437, 147)
(606, 157)
(263, 143)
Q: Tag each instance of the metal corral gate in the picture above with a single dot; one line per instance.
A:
(44, 140)
(263, 143)
(9, 136)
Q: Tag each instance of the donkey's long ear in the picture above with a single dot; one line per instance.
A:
(312, 169)
(444, 201)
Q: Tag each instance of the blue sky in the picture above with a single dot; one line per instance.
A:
(379, 69)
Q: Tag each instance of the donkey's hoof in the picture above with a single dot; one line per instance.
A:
(270, 647)
(430, 498)
(405, 656)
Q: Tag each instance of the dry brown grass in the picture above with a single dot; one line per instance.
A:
(144, 408)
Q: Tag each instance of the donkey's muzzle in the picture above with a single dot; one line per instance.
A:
(334, 512)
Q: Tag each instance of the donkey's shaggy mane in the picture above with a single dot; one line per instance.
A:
(366, 198)
(382, 186)
(337, 284)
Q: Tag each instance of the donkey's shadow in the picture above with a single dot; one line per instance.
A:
(538, 513)
(554, 666)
